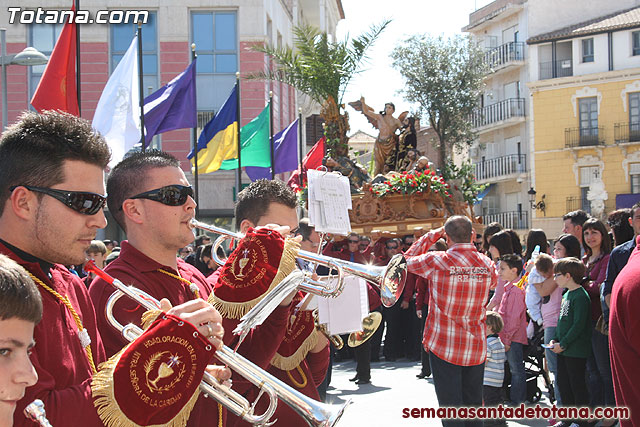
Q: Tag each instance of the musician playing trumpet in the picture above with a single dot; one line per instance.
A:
(152, 201)
(51, 198)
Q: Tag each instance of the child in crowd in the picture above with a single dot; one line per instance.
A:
(552, 297)
(572, 341)
(494, 366)
(20, 310)
(514, 335)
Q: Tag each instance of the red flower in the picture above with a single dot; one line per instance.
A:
(433, 173)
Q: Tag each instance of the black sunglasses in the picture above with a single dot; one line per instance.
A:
(171, 195)
(392, 247)
(80, 201)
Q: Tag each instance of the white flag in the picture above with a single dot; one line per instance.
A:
(117, 115)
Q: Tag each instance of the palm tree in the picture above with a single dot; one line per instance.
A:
(322, 69)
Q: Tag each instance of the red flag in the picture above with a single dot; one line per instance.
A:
(312, 160)
(57, 88)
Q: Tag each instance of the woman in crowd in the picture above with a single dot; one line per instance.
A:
(597, 247)
(499, 244)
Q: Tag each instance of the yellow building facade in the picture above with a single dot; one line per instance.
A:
(584, 129)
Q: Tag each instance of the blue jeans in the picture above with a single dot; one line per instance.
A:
(552, 362)
(457, 386)
(600, 348)
(515, 357)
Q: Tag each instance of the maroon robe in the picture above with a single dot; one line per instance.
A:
(64, 373)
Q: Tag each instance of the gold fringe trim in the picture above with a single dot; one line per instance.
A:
(148, 317)
(235, 310)
(108, 409)
(290, 362)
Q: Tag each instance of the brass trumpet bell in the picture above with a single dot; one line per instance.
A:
(370, 325)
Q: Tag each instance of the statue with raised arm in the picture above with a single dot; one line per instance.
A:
(387, 125)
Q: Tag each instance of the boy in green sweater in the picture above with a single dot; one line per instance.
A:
(572, 342)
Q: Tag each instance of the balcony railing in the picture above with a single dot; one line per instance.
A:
(501, 166)
(553, 69)
(626, 132)
(575, 203)
(583, 137)
(500, 56)
(503, 110)
(512, 219)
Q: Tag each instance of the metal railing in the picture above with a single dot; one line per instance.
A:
(553, 69)
(503, 55)
(512, 219)
(503, 110)
(575, 203)
(501, 166)
(583, 137)
(626, 132)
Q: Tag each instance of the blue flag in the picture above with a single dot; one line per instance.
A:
(172, 106)
(285, 145)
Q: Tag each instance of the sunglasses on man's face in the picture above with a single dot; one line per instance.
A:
(171, 195)
(354, 241)
(82, 202)
(392, 247)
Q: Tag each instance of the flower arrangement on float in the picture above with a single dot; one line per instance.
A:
(412, 182)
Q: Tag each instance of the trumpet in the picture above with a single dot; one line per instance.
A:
(36, 413)
(315, 413)
(389, 279)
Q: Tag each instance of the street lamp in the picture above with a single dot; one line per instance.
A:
(541, 205)
(29, 56)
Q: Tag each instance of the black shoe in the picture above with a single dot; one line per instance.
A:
(361, 382)
(423, 375)
(354, 378)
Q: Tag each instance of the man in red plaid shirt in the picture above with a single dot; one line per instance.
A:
(454, 333)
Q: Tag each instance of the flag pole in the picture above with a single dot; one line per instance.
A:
(141, 88)
(195, 146)
(239, 170)
(78, 61)
(300, 146)
(273, 166)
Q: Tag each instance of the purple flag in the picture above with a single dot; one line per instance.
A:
(285, 145)
(172, 106)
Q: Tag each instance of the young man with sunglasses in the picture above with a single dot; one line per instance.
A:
(152, 201)
(51, 200)
(348, 249)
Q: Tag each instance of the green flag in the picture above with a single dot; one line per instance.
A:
(255, 144)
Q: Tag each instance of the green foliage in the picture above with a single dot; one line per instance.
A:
(464, 176)
(317, 66)
(412, 182)
(445, 78)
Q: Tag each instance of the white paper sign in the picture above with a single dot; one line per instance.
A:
(344, 314)
(329, 202)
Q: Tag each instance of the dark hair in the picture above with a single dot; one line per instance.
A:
(513, 261)
(304, 229)
(254, 201)
(459, 229)
(619, 223)
(440, 245)
(97, 246)
(206, 251)
(577, 217)
(570, 243)
(516, 244)
(634, 208)
(544, 263)
(596, 224)
(19, 296)
(201, 238)
(489, 231)
(503, 242)
(495, 322)
(406, 237)
(571, 265)
(394, 240)
(129, 178)
(536, 237)
(33, 150)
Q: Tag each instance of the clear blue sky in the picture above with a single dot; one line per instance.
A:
(380, 83)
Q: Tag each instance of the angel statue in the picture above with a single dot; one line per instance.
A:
(387, 125)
